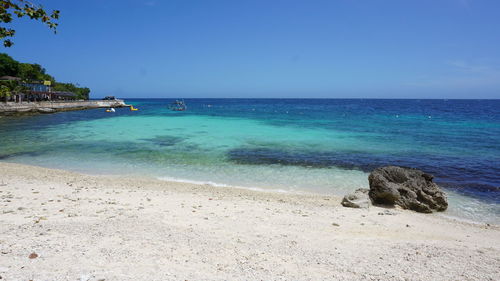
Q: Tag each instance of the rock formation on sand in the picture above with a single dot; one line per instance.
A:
(406, 187)
(357, 199)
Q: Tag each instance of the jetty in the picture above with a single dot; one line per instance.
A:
(17, 108)
(26, 96)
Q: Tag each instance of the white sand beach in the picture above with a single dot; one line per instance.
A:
(82, 227)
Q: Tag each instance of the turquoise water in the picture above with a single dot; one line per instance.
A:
(323, 146)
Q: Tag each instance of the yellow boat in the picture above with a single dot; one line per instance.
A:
(132, 108)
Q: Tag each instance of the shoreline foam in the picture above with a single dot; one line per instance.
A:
(455, 210)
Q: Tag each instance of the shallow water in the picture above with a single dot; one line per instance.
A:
(326, 146)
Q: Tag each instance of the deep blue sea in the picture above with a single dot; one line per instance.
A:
(291, 145)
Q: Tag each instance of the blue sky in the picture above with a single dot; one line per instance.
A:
(271, 48)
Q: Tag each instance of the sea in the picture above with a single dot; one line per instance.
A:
(325, 146)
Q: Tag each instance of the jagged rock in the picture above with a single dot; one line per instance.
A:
(406, 187)
(357, 199)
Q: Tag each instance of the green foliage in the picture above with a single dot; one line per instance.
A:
(5, 92)
(9, 88)
(25, 71)
(34, 72)
(28, 71)
(82, 93)
(9, 84)
(8, 65)
(23, 8)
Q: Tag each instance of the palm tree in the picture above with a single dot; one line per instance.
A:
(5, 92)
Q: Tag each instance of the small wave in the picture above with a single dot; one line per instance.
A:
(215, 184)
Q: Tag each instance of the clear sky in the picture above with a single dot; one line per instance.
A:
(271, 48)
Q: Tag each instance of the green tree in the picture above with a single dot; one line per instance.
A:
(9, 84)
(8, 65)
(23, 8)
(25, 71)
(5, 92)
(9, 88)
(32, 72)
(28, 71)
(82, 93)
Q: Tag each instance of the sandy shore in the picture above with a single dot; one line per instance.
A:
(107, 228)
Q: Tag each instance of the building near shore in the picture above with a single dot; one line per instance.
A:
(37, 91)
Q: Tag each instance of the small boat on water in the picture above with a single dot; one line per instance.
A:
(110, 110)
(178, 105)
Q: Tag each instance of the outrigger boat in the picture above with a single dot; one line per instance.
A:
(178, 105)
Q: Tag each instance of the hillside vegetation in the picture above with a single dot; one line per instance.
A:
(29, 72)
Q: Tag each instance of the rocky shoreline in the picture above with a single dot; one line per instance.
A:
(404, 187)
(15, 108)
